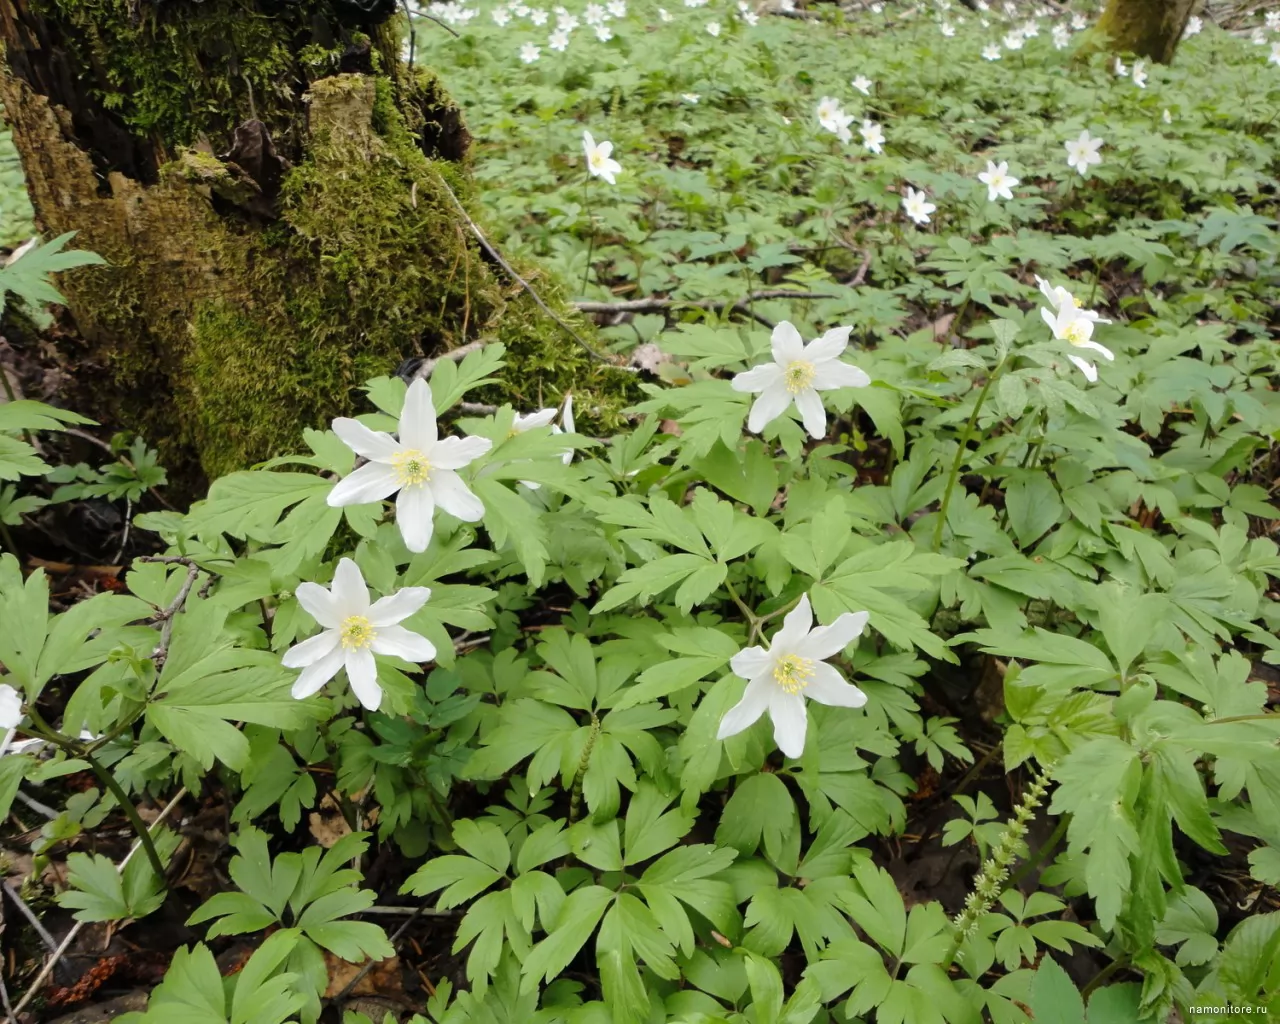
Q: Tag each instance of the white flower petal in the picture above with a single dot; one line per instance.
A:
(836, 374)
(830, 346)
(350, 595)
(750, 662)
(362, 673)
(418, 417)
(827, 686)
(310, 651)
(369, 444)
(567, 418)
(371, 482)
(812, 414)
(10, 706)
(744, 714)
(456, 452)
(795, 627)
(452, 495)
(533, 420)
(790, 722)
(317, 674)
(786, 343)
(828, 641)
(1102, 350)
(415, 511)
(1088, 369)
(399, 606)
(771, 404)
(757, 378)
(404, 643)
(319, 604)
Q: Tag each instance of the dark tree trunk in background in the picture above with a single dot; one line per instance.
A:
(266, 178)
(1148, 28)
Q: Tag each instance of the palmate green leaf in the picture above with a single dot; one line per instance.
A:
(1054, 999)
(650, 831)
(261, 995)
(19, 459)
(700, 575)
(250, 503)
(1191, 923)
(461, 878)
(577, 922)
(526, 726)
(510, 519)
(766, 989)
(191, 992)
(353, 941)
(760, 810)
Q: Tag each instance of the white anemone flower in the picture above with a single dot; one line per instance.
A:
(998, 181)
(664, 14)
(1079, 22)
(421, 466)
(863, 84)
(872, 136)
(1083, 151)
(1275, 54)
(599, 162)
(790, 669)
(828, 111)
(1013, 41)
(917, 205)
(991, 52)
(537, 16)
(354, 631)
(713, 28)
(558, 40)
(529, 53)
(1167, 117)
(543, 418)
(1195, 25)
(500, 16)
(593, 15)
(798, 372)
(690, 97)
(1140, 74)
(751, 18)
(1120, 69)
(618, 8)
(947, 29)
(1061, 36)
(11, 718)
(604, 33)
(1074, 325)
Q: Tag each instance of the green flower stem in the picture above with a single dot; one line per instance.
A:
(960, 453)
(47, 732)
(591, 231)
(992, 880)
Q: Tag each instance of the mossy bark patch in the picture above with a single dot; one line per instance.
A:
(242, 306)
(1147, 28)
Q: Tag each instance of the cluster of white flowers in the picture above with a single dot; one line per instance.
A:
(452, 12)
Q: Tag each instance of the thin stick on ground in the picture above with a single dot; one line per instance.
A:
(58, 953)
(743, 306)
(485, 244)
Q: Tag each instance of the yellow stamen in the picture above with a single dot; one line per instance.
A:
(411, 467)
(1075, 333)
(356, 632)
(793, 672)
(798, 376)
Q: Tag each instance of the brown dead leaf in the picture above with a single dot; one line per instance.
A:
(383, 979)
(328, 824)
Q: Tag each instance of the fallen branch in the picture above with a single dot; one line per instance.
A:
(58, 953)
(655, 304)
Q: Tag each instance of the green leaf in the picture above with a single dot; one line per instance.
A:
(1034, 506)
(766, 989)
(1054, 999)
(578, 918)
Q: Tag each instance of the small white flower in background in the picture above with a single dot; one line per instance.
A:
(1195, 25)
(354, 631)
(751, 18)
(538, 17)
(1120, 69)
(604, 33)
(558, 40)
(999, 183)
(1258, 37)
(713, 28)
(917, 206)
(872, 136)
(983, 6)
(500, 16)
(618, 8)
(1275, 54)
(1030, 30)
(829, 113)
(529, 53)
(1078, 22)
(1061, 37)
(790, 669)
(543, 418)
(566, 22)
(593, 15)
(786, 5)
(1074, 325)
(947, 29)
(877, 8)
(690, 97)
(664, 14)
(694, 3)
(1166, 117)
(599, 163)
(1010, 9)
(798, 372)
(1013, 41)
(991, 52)
(520, 11)
(863, 84)
(566, 419)
(420, 466)
(1082, 152)
(1273, 19)
(1140, 74)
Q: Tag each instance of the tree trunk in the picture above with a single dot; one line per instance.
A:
(268, 181)
(1148, 28)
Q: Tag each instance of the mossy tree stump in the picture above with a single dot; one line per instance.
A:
(268, 182)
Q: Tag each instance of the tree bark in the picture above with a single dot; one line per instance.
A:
(269, 182)
(1147, 28)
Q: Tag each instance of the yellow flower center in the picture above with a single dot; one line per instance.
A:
(356, 632)
(793, 672)
(1075, 333)
(411, 467)
(798, 376)
(597, 159)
